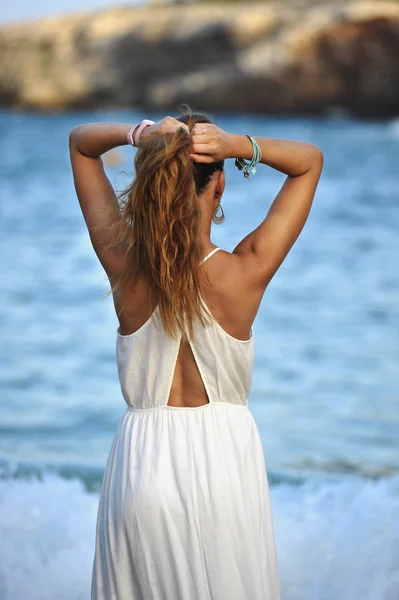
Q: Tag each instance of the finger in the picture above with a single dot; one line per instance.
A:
(201, 132)
(202, 158)
(200, 138)
(200, 148)
(171, 125)
(174, 128)
(175, 124)
(172, 121)
(199, 128)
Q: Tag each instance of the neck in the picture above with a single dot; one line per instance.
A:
(206, 218)
(206, 241)
(206, 231)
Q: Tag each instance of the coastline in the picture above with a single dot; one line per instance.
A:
(273, 59)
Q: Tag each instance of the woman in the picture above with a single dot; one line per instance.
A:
(184, 511)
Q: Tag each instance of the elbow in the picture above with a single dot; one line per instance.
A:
(317, 158)
(313, 160)
(74, 135)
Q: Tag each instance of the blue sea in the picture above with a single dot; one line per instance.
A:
(325, 391)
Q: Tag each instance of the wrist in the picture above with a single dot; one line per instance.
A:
(145, 134)
(142, 128)
(241, 147)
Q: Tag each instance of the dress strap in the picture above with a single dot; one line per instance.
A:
(209, 255)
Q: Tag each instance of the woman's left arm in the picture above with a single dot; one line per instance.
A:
(95, 193)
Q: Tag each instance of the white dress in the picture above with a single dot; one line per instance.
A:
(184, 510)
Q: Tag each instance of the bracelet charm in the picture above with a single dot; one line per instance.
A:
(250, 166)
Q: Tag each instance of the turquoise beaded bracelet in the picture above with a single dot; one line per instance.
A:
(249, 166)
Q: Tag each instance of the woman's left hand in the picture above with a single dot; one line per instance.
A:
(166, 126)
(210, 143)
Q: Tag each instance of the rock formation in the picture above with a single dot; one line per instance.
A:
(265, 58)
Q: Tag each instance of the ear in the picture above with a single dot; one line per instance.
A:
(220, 184)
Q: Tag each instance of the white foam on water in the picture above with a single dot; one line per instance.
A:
(338, 541)
(46, 539)
(335, 541)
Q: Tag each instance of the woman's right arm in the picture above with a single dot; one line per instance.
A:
(264, 249)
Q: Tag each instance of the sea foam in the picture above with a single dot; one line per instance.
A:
(335, 540)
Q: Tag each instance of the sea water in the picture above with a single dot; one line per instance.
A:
(325, 391)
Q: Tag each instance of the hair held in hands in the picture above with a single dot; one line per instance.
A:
(158, 226)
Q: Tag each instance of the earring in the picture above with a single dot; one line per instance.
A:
(218, 219)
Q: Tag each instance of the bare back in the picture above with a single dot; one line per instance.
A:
(233, 304)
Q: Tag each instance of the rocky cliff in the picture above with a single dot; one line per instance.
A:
(268, 58)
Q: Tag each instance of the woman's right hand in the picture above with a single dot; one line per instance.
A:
(210, 143)
(168, 125)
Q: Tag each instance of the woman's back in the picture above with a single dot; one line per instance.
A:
(156, 370)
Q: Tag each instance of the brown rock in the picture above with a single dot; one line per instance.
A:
(214, 56)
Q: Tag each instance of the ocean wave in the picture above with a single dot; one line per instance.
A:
(335, 540)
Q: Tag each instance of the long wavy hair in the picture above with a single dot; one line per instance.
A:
(159, 226)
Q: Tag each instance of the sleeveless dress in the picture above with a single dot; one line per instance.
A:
(184, 510)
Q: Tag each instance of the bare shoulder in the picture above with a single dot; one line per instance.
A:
(233, 297)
